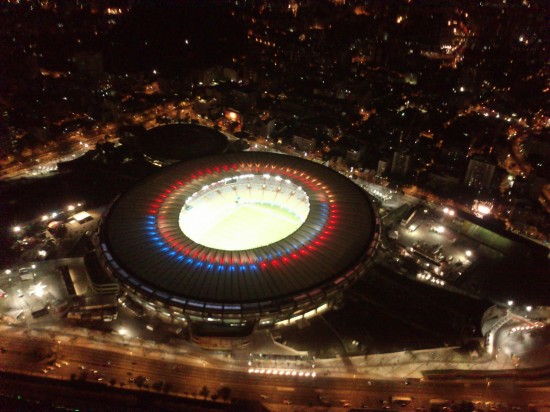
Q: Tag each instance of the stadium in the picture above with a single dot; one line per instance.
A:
(231, 242)
(172, 143)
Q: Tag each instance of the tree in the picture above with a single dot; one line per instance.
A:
(204, 392)
(139, 381)
(225, 393)
(167, 387)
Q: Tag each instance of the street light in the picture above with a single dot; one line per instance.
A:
(510, 303)
(17, 229)
(468, 253)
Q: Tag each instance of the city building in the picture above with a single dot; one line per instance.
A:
(401, 163)
(479, 174)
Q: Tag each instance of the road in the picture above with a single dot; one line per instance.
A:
(188, 374)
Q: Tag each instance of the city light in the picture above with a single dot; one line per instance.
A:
(510, 303)
(42, 253)
(44, 218)
(468, 253)
(482, 209)
(70, 208)
(17, 229)
(37, 290)
(448, 211)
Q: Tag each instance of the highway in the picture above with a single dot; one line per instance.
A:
(186, 375)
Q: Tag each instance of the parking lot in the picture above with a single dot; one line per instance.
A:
(440, 253)
(31, 293)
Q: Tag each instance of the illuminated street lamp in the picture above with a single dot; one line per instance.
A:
(70, 208)
(17, 229)
(529, 308)
(44, 218)
(42, 253)
(510, 303)
(7, 271)
(468, 253)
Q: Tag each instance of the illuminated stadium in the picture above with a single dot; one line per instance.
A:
(239, 239)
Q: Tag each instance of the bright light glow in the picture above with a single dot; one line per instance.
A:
(242, 214)
(7, 271)
(33, 266)
(44, 218)
(468, 253)
(440, 229)
(70, 208)
(42, 253)
(54, 215)
(37, 290)
(529, 308)
(17, 229)
(122, 332)
(484, 210)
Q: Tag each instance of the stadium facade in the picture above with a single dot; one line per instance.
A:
(162, 240)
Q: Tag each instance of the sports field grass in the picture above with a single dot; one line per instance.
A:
(242, 226)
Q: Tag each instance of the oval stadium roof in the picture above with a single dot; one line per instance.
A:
(142, 241)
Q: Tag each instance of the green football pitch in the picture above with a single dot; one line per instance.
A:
(246, 226)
